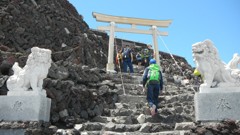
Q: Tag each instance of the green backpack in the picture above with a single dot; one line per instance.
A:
(153, 73)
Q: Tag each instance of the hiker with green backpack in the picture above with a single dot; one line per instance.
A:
(152, 80)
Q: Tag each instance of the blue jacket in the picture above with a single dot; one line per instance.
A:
(145, 78)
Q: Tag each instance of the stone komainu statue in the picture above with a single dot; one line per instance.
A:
(215, 73)
(33, 73)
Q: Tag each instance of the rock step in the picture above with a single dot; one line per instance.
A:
(182, 132)
(135, 100)
(145, 127)
(137, 89)
(123, 75)
(169, 108)
(129, 119)
(164, 115)
(180, 129)
(131, 89)
(131, 79)
(170, 92)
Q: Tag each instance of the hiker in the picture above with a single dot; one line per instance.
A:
(127, 59)
(139, 59)
(198, 79)
(152, 81)
(145, 57)
(119, 60)
(198, 74)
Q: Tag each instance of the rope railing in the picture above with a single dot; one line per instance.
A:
(192, 86)
(25, 54)
(171, 55)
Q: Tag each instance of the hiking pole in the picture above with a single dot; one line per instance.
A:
(124, 93)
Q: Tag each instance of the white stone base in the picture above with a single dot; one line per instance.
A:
(27, 93)
(25, 108)
(217, 106)
(221, 90)
(110, 67)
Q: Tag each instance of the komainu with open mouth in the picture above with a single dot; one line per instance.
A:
(33, 73)
(215, 73)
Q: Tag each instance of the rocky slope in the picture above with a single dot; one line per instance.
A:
(52, 24)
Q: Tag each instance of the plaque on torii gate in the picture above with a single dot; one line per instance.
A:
(133, 22)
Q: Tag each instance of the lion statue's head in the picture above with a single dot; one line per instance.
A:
(39, 56)
(204, 50)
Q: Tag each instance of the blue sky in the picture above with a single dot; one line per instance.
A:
(193, 21)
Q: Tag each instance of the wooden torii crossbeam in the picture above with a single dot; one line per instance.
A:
(133, 22)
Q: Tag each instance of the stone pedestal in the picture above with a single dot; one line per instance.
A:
(29, 106)
(12, 131)
(215, 104)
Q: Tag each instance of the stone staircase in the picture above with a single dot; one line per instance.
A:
(175, 108)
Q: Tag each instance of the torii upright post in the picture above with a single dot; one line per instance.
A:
(155, 42)
(110, 64)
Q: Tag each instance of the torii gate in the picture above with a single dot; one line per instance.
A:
(132, 21)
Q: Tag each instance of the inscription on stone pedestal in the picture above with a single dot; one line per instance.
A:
(17, 106)
(223, 104)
